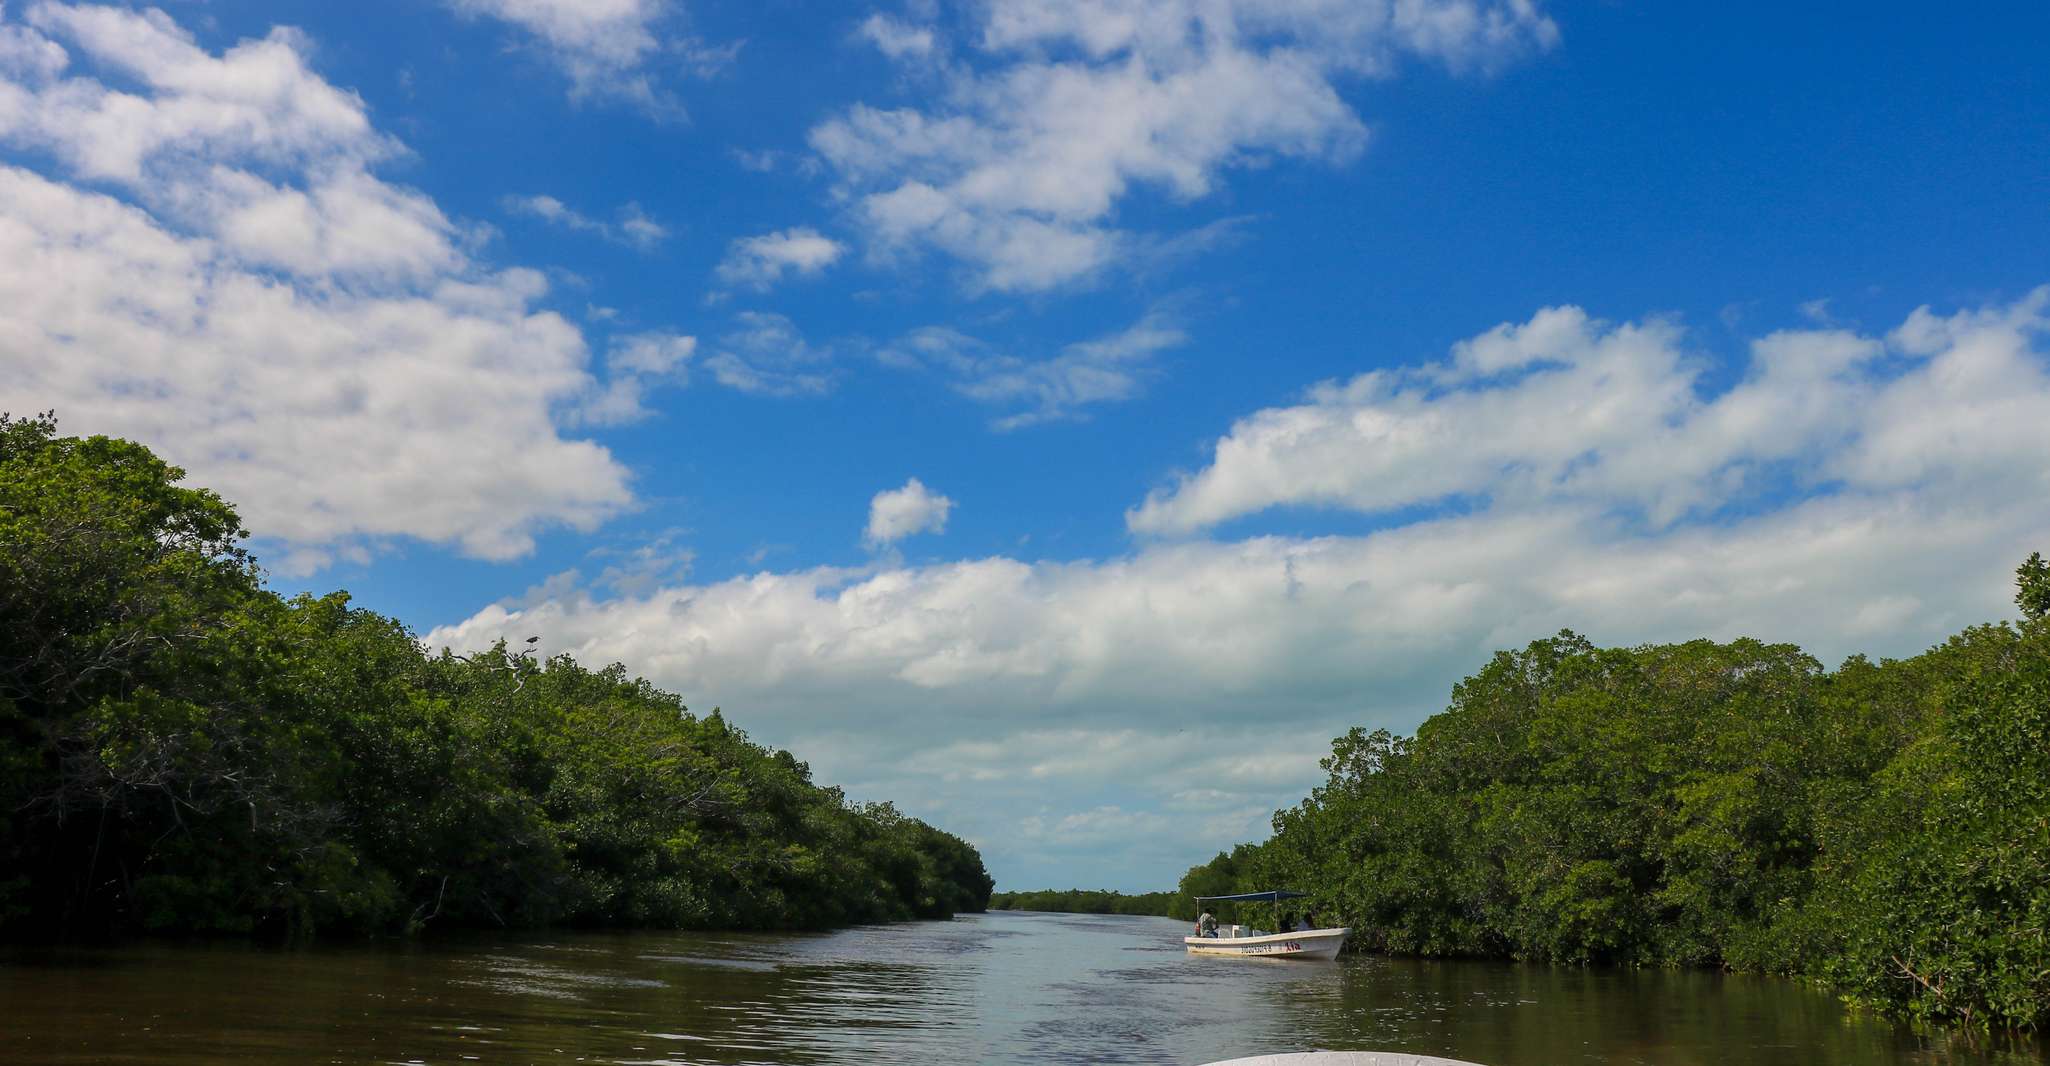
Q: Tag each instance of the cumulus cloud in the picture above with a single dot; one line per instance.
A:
(296, 332)
(631, 226)
(898, 513)
(1205, 677)
(29, 55)
(1564, 407)
(1104, 370)
(760, 262)
(250, 146)
(258, 100)
(605, 47)
(329, 417)
(1066, 106)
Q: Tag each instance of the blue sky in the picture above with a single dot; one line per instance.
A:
(1064, 417)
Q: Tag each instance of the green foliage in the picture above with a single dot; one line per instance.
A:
(1885, 827)
(1939, 893)
(1085, 901)
(2032, 587)
(184, 751)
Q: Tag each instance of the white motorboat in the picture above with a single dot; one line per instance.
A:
(1302, 944)
(1344, 1058)
(1248, 942)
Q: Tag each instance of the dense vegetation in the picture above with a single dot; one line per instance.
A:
(1884, 827)
(182, 750)
(1085, 901)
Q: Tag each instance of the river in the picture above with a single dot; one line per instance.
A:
(996, 988)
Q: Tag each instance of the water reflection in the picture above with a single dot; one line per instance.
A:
(1003, 988)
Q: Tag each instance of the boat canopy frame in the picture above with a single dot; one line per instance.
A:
(1275, 896)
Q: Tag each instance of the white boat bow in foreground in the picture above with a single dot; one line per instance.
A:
(1345, 1058)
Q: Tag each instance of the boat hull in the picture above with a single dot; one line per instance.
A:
(1307, 944)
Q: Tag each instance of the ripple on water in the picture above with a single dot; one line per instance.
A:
(519, 975)
(749, 965)
(997, 989)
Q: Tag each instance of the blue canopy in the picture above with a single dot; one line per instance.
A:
(1265, 897)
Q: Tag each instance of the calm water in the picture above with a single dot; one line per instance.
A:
(1000, 988)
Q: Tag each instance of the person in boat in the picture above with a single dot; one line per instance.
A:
(1206, 924)
(1309, 918)
(1287, 926)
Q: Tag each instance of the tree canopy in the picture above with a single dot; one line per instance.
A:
(1085, 901)
(1884, 826)
(2032, 587)
(182, 750)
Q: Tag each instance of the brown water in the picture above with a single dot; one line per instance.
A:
(998, 988)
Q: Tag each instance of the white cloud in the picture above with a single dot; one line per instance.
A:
(765, 354)
(299, 334)
(897, 38)
(1069, 105)
(760, 262)
(350, 225)
(652, 353)
(1104, 370)
(327, 417)
(1095, 826)
(634, 571)
(257, 101)
(632, 226)
(635, 364)
(29, 56)
(203, 146)
(996, 689)
(898, 513)
(604, 46)
(762, 161)
(638, 229)
(1567, 408)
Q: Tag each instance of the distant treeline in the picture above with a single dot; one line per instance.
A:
(1883, 827)
(1083, 901)
(184, 751)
